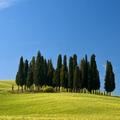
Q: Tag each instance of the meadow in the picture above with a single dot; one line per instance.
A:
(56, 106)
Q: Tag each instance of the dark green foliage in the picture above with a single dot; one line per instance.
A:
(77, 79)
(55, 78)
(33, 67)
(29, 82)
(89, 88)
(85, 84)
(65, 63)
(70, 79)
(50, 73)
(62, 76)
(41, 72)
(65, 72)
(84, 72)
(95, 81)
(74, 61)
(45, 71)
(59, 66)
(21, 73)
(17, 79)
(38, 78)
(109, 78)
(25, 72)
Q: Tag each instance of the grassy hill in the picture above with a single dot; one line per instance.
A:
(52, 106)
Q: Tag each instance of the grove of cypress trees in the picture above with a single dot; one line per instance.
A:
(109, 78)
(41, 72)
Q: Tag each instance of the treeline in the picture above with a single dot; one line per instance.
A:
(72, 77)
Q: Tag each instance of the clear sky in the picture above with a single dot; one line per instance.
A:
(59, 26)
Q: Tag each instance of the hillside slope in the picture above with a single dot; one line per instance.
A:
(62, 106)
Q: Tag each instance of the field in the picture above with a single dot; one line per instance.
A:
(60, 106)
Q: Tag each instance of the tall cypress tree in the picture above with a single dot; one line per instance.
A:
(94, 74)
(62, 76)
(59, 66)
(74, 61)
(89, 88)
(84, 72)
(21, 73)
(55, 79)
(38, 80)
(33, 67)
(29, 82)
(50, 73)
(109, 78)
(45, 67)
(65, 72)
(70, 79)
(42, 73)
(25, 72)
(77, 80)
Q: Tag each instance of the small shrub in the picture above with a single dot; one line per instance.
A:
(48, 89)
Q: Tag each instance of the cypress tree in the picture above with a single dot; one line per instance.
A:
(70, 79)
(76, 81)
(95, 81)
(109, 78)
(38, 78)
(50, 73)
(65, 72)
(89, 88)
(25, 72)
(62, 76)
(74, 62)
(59, 66)
(45, 72)
(21, 73)
(55, 79)
(29, 82)
(33, 67)
(84, 72)
(42, 73)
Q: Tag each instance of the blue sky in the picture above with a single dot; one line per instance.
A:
(59, 26)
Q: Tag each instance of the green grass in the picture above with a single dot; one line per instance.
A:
(52, 106)
(6, 84)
